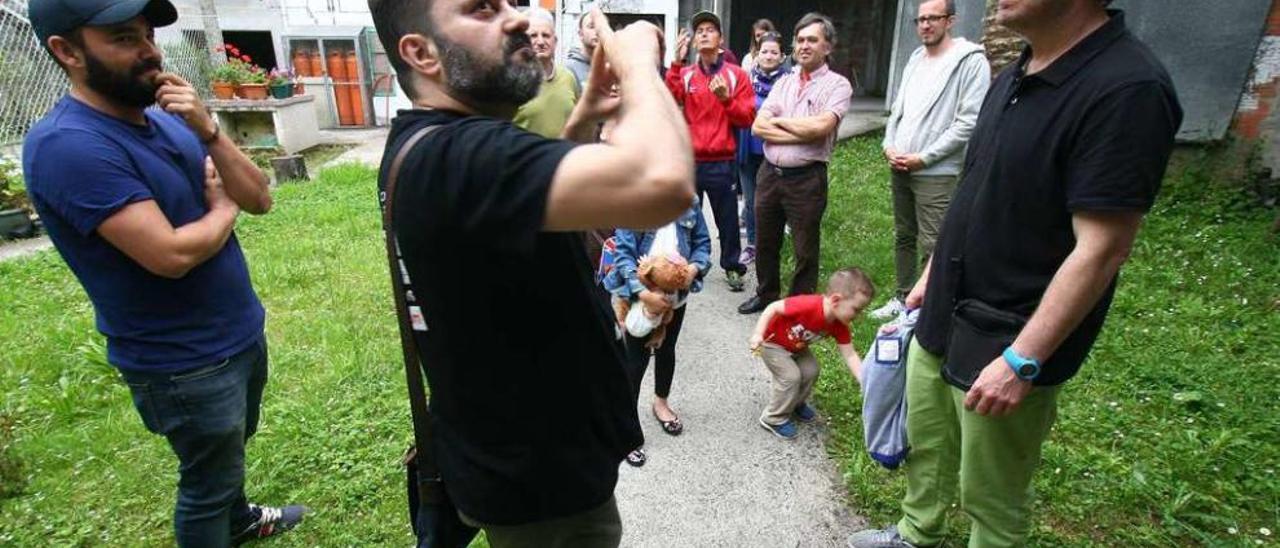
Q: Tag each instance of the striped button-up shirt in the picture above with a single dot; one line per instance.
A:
(795, 96)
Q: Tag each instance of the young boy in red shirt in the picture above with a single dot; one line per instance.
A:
(787, 328)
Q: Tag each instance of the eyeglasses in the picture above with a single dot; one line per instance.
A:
(930, 19)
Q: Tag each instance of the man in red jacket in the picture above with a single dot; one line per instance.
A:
(716, 96)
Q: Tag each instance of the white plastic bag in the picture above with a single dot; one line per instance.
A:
(665, 242)
(639, 322)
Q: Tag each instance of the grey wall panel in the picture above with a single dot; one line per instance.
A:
(1208, 46)
(969, 15)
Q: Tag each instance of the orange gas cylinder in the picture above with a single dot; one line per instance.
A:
(353, 89)
(315, 66)
(341, 95)
(301, 63)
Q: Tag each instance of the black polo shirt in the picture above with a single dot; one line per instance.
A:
(1091, 132)
(531, 404)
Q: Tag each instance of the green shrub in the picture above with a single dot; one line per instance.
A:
(13, 192)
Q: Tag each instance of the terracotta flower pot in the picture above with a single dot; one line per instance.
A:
(253, 92)
(224, 90)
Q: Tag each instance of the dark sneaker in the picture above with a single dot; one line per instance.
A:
(735, 281)
(879, 538)
(752, 305)
(805, 413)
(786, 430)
(269, 521)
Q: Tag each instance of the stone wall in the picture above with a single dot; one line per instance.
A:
(1003, 45)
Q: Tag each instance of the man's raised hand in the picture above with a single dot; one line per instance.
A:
(177, 96)
(634, 48)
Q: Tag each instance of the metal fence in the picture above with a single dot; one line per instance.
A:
(31, 82)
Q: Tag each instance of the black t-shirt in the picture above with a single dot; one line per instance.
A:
(530, 401)
(1091, 132)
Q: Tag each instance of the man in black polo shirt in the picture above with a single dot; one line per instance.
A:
(1067, 156)
(531, 405)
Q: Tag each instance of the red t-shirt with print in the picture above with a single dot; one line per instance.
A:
(802, 322)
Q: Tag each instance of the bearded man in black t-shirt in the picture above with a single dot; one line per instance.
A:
(531, 419)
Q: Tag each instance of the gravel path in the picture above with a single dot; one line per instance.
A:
(13, 249)
(726, 481)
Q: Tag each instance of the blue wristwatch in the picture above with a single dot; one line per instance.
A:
(1026, 369)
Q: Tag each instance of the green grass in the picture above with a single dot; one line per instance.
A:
(335, 419)
(1171, 433)
(1168, 436)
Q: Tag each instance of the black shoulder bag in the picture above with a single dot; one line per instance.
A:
(979, 331)
(434, 518)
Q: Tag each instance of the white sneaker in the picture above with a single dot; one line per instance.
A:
(889, 311)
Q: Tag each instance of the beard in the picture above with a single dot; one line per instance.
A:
(126, 87)
(933, 40)
(1031, 13)
(472, 79)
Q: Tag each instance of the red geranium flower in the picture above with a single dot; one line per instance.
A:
(246, 58)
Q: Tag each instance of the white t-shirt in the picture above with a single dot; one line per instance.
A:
(916, 92)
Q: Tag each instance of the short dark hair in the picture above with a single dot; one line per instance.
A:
(75, 36)
(812, 18)
(770, 36)
(950, 5)
(394, 19)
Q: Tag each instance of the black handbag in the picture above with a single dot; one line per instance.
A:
(432, 514)
(979, 333)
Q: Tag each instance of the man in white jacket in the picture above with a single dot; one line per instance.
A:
(932, 117)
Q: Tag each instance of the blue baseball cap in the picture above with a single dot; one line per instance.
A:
(58, 17)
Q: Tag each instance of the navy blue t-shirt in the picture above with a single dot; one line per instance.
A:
(81, 167)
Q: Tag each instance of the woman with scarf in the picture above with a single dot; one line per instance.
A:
(768, 68)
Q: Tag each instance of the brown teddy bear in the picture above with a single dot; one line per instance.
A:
(662, 273)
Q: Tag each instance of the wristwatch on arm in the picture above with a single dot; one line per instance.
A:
(1025, 368)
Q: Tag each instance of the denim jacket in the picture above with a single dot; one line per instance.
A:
(692, 237)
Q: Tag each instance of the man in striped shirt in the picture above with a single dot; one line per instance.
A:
(798, 123)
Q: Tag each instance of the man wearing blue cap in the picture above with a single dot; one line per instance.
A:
(141, 203)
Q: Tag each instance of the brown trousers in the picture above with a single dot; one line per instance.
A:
(798, 201)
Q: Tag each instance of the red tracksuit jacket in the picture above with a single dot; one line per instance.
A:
(711, 121)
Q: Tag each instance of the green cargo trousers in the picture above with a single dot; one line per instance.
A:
(989, 459)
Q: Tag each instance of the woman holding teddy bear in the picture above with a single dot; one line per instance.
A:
(654, 273)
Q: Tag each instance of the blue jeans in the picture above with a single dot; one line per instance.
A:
(715, 183)
(747, 181)
(207, 414)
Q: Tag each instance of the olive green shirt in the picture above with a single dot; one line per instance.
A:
(548, 113)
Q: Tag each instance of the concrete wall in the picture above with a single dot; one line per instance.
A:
(568, 11)
(1258, 115)
(969, 16)
(1208, 48)
(285, 18)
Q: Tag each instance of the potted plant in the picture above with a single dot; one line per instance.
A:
(254, 84)
(280, 82)
(15, 216)
(226, 76)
